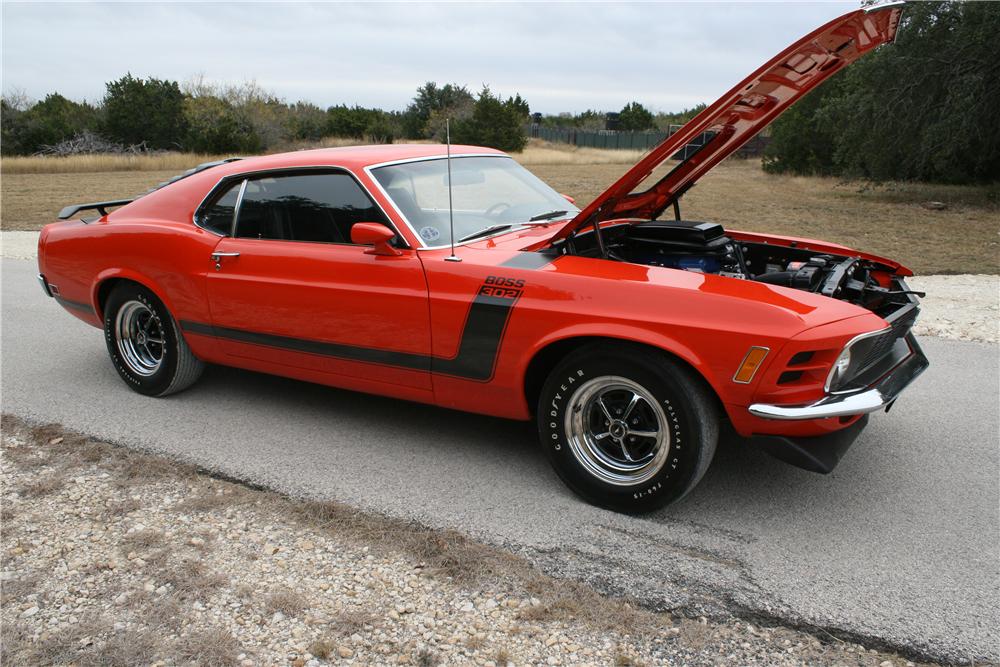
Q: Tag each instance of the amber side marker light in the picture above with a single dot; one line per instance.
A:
(755, 357)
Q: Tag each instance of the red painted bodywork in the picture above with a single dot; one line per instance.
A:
(415, 303)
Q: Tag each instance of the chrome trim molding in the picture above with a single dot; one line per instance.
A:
(879, 396)
(248, 175)
(900, 4)
(423, 246)
(870, 334)
(236, 209)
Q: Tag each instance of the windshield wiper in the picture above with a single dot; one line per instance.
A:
(547, 216)
(484, 232)
(541, 218)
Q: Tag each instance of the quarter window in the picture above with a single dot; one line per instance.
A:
(319, 208)
(218, 217)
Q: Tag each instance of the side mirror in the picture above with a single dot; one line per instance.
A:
(569, 199)
(376, 235)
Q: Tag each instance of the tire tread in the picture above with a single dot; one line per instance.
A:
(189, 367)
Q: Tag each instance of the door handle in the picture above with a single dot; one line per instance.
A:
(217, 258)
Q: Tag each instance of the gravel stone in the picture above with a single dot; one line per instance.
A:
(161, 578)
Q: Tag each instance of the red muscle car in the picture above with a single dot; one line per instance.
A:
(630, 338)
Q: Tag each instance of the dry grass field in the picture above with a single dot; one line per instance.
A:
(887, 219)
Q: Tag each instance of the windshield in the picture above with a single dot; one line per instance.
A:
(487, 192)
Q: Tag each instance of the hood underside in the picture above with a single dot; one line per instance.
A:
(741, 114)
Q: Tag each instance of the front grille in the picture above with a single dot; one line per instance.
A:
(880, 354)
(900, 324)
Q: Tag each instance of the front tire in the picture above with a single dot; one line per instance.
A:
(146, 345)
(627, 428)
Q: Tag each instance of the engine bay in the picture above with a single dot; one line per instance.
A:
(704, 247)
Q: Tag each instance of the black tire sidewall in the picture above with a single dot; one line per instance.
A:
(157, 383)
(682, 468)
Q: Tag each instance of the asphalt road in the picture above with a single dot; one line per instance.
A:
(899, 545)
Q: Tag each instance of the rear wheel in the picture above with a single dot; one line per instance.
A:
(627, 428)
(145, 343)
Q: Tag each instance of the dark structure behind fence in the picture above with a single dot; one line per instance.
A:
(621, 140)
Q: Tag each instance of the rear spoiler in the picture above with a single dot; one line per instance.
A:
(103, 206)
(100, 206)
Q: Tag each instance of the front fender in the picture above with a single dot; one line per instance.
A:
(631, 333)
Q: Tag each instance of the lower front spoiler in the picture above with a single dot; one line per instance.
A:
(816, 454)
(879, 396)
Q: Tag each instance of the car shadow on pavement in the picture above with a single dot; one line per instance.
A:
(739, 474)
(396, 423)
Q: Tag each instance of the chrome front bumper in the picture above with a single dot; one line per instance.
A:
(876, 397)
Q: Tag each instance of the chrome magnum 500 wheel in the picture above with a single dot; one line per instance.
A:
(140, 338)
(617, 430)
(145, 343)
(627, 427)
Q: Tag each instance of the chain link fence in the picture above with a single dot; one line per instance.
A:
(628, 140)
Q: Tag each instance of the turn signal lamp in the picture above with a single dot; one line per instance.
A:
(755, 357)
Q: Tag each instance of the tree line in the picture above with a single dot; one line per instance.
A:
(633, 117)
(925, 108)
(159, 114)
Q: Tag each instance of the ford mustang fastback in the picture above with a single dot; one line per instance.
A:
(459, 279)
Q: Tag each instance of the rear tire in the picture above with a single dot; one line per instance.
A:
(627, 428)
(146, 345)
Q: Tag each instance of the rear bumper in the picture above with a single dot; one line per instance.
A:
(45, 285)
(880, 395)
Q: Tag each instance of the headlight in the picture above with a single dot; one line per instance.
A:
(858, 351)
(839, 370)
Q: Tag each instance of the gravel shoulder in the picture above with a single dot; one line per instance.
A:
(115, 557)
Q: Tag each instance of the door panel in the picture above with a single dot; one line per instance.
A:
(326, 307)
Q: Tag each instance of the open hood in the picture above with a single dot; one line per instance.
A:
(740, 114)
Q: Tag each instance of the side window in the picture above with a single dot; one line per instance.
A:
(319, 208)
(218, 216)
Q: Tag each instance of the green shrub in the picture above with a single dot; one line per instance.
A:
(431, 100)
(150, 111)
(214, 126)
(493, 123)
(635, 117)
(26, 129)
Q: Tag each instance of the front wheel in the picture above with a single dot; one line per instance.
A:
(627, 428)
(145, 343)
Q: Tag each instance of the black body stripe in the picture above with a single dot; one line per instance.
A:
(354, 353)
(75, 305)
(481, 336)
(530, 260)
(484, 328)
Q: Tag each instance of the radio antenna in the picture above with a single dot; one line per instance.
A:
(451, 208)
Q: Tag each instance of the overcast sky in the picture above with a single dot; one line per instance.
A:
(559, 56)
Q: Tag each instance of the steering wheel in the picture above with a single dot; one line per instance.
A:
(496, 209)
